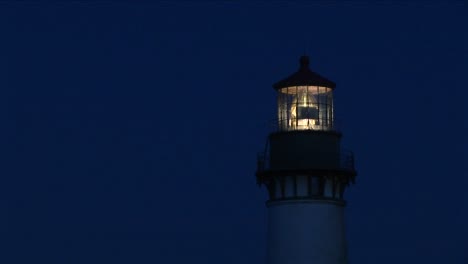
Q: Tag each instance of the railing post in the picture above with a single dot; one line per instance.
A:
(260, 162)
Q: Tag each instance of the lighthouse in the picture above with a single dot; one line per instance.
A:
(306, 172)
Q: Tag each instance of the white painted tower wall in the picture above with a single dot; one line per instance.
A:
(306, 232)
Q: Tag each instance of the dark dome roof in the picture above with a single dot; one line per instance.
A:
(304, 76)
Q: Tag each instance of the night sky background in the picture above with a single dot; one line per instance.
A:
(129, 131)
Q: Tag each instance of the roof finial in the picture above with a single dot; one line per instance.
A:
(304, 62)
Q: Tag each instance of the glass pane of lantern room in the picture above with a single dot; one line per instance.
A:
(314, 108)
(324, 99)
(282, 110)
(279, 101)
(330, 109)
(301, 108)
(292, 101)
(321, 101)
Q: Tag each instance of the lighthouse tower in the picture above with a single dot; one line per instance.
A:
(306, 173)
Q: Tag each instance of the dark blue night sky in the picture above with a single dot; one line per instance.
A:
(129, 131)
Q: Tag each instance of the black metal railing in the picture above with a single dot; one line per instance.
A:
(347, 159)
(263, 161)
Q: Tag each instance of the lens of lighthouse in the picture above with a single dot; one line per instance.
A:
(305, 108)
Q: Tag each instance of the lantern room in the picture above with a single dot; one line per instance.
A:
(305, 100)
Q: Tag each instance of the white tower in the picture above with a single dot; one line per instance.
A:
(306, 173)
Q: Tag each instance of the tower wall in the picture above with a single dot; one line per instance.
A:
(306, 232)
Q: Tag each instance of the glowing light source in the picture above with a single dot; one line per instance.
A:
(305, 108)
